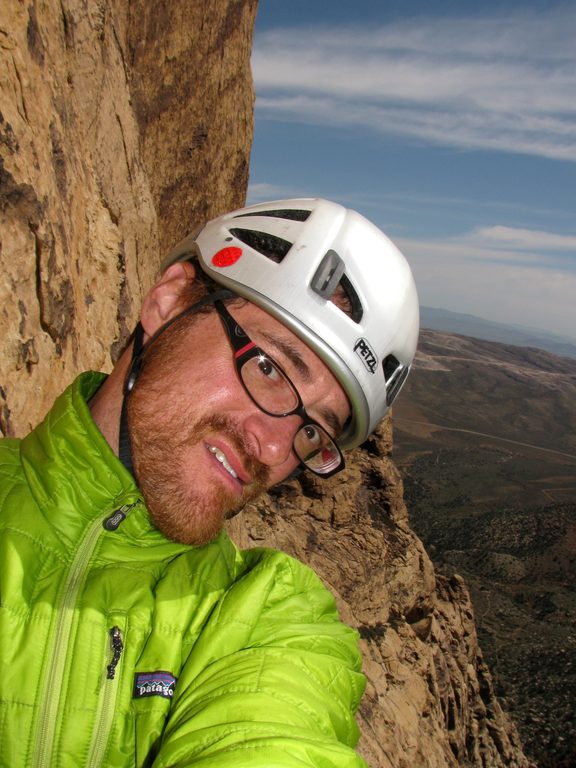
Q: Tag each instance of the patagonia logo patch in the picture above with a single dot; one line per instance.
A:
(365, 353)
(153, 684)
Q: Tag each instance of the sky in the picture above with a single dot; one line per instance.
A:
(451, 125)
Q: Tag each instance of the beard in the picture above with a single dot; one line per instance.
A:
(162, 435)
(166, 481)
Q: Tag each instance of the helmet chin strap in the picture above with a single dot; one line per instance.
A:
(139, 350)
(124, 447)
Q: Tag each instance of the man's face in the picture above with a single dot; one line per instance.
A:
(201, 448)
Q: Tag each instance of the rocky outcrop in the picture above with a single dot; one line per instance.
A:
(430, 699)
(121, 125)
(191, 86)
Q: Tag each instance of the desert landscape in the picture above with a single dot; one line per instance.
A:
(485, 440)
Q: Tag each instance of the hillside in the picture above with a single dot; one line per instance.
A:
(485, 438)
(480, 328)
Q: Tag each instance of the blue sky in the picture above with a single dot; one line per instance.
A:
(452, 125)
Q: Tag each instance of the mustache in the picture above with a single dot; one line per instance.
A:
(259, 473)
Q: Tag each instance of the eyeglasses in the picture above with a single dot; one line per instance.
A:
(269, 387)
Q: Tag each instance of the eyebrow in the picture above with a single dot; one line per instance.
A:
(291, 353)
(332, 420)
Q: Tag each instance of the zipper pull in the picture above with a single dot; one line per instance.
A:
(117, 648)
(112, 522)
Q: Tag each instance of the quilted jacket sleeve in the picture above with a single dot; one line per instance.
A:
(273, 680)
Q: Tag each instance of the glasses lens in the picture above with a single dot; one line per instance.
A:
(316, 449)
(268, 386)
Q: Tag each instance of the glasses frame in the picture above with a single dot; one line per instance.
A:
(244, 350)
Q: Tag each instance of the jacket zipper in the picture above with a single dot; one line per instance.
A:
(107, 700)
(117, 648)
(58, 647)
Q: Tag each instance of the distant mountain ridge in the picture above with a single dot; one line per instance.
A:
(480, 328)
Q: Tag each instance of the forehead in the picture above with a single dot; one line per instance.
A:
(262, 326)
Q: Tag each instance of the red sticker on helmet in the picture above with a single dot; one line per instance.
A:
(227, 256)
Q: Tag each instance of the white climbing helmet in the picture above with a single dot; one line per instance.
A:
(289, 257)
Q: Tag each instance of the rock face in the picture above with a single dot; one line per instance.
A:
(121, 125)
(192, 92)
(120, 122)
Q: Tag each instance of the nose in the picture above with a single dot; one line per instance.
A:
(272, 437)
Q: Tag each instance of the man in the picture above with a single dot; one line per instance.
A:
(132, 631)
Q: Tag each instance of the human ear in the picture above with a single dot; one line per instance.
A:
(165, 298)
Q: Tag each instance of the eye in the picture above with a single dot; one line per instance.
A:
(313, 435)
(268, 369)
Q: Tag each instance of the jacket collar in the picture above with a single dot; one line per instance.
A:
(74, 475)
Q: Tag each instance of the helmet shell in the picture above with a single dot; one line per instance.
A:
(288, 257)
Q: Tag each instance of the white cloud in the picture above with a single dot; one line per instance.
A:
(263, 191)
(517, 238)
(467, 275)
(506, 83)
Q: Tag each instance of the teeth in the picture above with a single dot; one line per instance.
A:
(222, 459)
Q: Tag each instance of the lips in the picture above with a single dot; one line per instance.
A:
(229, 456)
(221, 457)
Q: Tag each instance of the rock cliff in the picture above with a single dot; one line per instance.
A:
(122, 124)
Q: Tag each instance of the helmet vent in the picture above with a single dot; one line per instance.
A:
(395, 375)
(328, 274)
(271, 246)
(293, 214)
(346, 298)
(390, 365)
(331, 283)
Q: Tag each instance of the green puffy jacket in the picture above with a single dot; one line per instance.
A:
(120, 648)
